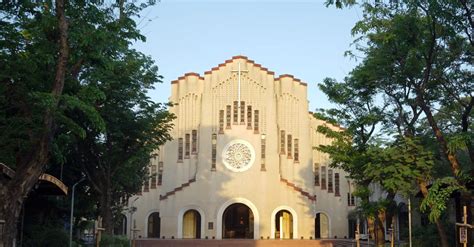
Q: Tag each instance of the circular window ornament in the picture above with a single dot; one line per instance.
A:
(238, 155)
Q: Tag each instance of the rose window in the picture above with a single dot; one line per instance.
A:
(238, 155)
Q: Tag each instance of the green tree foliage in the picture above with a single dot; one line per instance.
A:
(75, 89)
(416, 66)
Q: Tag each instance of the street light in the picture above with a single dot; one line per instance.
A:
(132, 210)
(72, 210)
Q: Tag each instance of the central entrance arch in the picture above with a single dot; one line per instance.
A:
(238, 222)
(243, 205)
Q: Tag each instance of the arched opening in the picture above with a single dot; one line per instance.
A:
(192, 224)
(238, 222)
(321, 226)
(154, 225)
(121, 225)
(284, 225)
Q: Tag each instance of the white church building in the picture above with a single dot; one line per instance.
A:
(242, 163)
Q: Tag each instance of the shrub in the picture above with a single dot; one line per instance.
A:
(114, 241)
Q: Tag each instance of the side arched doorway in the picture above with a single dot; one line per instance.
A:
(283, 225)
(238, 222)
(321, 226)
(154, 225)
(192, 224)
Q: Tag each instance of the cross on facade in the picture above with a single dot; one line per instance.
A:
(239, 72)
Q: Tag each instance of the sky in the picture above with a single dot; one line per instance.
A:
(302, 38)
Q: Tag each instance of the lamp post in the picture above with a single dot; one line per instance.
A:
(72, 210)
(132, 210)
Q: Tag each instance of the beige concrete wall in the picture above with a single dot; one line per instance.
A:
(282, 105)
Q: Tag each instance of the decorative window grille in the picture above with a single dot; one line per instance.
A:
(187, 146)
(153, 176)
(337, 191)
(255, 122)
(330, 184)
(160, 172)
(228, 117)
(180, 149)
(249, 117)
(194, 142)
(214, 152)
(350, 199)
(316, 174)
(289, 147)
(242, 112)
(297, 151)
(221, 122)
(147, 182)
(282, 142)
(236, 112)
(323, 177)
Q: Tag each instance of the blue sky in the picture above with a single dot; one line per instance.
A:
(302, 38)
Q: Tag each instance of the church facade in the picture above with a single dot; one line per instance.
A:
(241, 163)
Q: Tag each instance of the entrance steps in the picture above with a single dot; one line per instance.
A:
(244, 243)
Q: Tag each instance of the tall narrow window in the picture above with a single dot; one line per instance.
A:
(249, 117)
(227, 116)
(323, 177)
(330, 185)
(255, 122)
(160, 172)
(236, 112)
(316, 174)
(221, 122)
(153, 177)
(147, 182)
(187, 146)
(194, 143)
(180, 149)
(337, 191)
(282, 142)
(242, 112)
(289, 147)
(263, 144)
(297, 151)
(214, 152)
(350, 199)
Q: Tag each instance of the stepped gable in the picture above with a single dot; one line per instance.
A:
(228, 61)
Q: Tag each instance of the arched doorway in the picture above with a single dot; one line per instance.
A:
(238, 222)
(192, 224)
(283, 225)
(121, 226)
(154, 225)
(321, 226)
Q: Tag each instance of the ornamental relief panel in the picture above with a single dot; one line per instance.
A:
(238, 156)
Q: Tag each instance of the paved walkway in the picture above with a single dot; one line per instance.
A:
(244, 243)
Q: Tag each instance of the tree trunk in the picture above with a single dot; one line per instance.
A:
(380, 229)
(30, 165)
(439, 226)
(443, 144)
(106, 208)
(371, 228)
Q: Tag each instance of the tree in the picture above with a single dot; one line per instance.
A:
(31, 140)
(52, 58)
(415, 59)
(116, 162)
